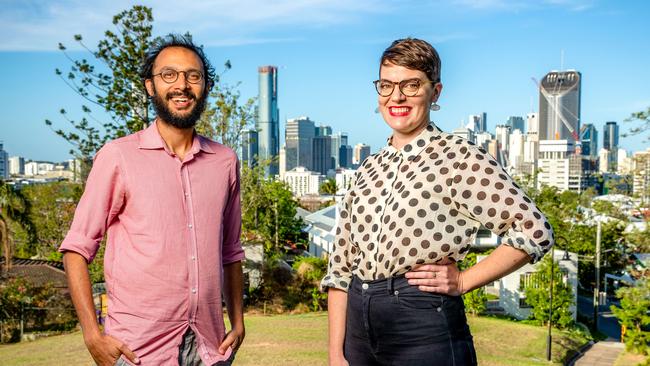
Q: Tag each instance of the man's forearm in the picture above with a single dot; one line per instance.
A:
(76, 269)
(233, 292)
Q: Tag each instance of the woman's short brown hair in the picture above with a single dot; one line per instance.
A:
(414, 54)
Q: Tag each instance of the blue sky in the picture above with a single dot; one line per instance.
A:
(328, 51)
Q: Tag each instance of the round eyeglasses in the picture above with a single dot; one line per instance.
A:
(170, 76)
(408, 87)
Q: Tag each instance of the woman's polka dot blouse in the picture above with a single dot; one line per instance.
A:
(426, 202)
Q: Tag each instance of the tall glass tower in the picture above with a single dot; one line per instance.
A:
(559, 106)
(268, 119)
(589, 138)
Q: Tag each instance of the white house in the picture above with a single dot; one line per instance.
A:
(512, 297)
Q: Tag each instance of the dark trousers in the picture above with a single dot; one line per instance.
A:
(390, 322)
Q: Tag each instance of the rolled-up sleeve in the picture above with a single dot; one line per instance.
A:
(339, 273)
(100, 203)
(232, 250)
(491, 197)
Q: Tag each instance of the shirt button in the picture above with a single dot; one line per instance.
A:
(439, 309)
(193, 290)
(190, 226)
(187, 194)
(364, 286)
(193, 258)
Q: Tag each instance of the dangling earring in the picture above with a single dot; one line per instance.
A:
(434, 107)
(377, 110)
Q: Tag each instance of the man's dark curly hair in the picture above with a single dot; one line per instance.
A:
(176, 40)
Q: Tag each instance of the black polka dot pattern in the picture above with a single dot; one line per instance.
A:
(424, 203)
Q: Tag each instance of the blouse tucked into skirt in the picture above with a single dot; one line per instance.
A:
(425, 202)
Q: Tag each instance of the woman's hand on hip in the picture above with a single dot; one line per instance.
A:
(439, 278)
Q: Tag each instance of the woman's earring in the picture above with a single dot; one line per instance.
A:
(377, 110)
(434, 106)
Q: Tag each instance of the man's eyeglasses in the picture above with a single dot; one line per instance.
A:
(170, 76)
(408, 87)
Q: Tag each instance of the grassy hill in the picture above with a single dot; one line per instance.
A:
(286, 340)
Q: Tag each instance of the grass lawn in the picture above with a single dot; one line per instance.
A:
(286, 340)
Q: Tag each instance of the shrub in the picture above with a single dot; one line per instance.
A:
(634, 316)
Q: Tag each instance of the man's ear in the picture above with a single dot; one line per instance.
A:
(148, 84)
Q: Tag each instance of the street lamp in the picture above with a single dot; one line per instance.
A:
(566, 257)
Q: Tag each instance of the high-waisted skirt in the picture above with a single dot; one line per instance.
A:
(390, 322)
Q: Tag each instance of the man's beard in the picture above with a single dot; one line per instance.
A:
(179, 121)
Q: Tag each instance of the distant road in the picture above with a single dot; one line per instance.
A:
(607, 323)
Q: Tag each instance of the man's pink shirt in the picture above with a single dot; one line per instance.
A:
(171, 226)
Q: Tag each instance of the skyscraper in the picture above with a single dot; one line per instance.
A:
(323, 130)
(345, 156)
(610, 143)
(249, 152)
(4, 163)
(589, 138)
(610, 136)
(322, 154)
(338, 139)
(515, 123)
(502, 133)
(268, 118)
(477, 122)
(299, 133)
(559, 106)
(361, 152)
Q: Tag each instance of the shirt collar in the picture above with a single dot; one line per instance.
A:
(413, 148)
(150, 139)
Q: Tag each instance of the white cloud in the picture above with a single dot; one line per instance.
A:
(40, 25)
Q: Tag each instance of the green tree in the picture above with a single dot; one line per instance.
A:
(225, 120)
(537, 295)
(114, 85)
(634, 316)
(268, 209)
(52, 211)
(328, 186)
(644, 118)
(14, 208)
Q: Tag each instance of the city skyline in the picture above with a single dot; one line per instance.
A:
(327, 56)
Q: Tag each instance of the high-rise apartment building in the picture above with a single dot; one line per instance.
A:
(641, 169)
(4, 163)
(299, 136)
(303, 182)
(16, 165)
(589, 138)
(361, 152)
(559, 166)
(268, 118)
(559, 106)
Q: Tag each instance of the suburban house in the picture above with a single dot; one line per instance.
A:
(510, 289)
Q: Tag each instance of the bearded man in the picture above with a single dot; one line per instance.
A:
(168, 201)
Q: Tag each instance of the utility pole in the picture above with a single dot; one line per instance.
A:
(277, 238)
(597, 287)
(550, 308)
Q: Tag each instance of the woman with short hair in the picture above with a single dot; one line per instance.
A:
(413, 211)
